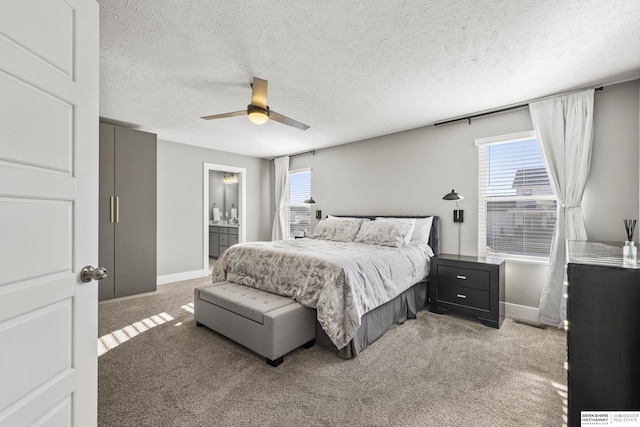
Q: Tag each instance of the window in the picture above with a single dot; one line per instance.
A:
(517, 206)
(299, 212)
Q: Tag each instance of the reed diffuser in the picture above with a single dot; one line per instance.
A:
(629, 251)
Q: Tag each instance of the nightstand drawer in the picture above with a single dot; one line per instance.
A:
(467, 277)
(464, 296)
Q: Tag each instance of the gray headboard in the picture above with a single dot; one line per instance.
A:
(434, 237)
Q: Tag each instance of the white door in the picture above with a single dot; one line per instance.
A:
(48, 212)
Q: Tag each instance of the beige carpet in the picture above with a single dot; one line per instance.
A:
(159, 369)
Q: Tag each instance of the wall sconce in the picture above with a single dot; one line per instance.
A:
(458, 214)
(313, 202)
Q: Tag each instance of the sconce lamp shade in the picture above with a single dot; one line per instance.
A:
(310, 201)
(453, 196)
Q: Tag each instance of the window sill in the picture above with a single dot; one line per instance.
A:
(519, 258)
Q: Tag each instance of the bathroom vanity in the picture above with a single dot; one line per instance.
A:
(221, 236)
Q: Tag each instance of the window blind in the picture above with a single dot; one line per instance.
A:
(517, 207)
(299, 212)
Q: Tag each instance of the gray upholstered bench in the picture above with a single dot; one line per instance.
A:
(269, 324)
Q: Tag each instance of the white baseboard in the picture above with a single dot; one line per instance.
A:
(521, 312)
(178, 277)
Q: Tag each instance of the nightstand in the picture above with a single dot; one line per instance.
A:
(473, 286)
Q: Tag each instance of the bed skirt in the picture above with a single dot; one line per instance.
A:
(376, 322)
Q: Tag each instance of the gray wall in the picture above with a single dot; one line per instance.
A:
(612, 191)
(180, 202)
(409, 172)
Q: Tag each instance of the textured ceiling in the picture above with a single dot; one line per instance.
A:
(351, 70)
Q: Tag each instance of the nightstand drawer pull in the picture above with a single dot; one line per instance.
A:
(461, 277)
(461, 296)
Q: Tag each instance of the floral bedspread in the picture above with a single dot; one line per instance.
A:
(341, 280)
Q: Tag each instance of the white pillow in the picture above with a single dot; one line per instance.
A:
(383, 233)
(410, 221)
(422, 229)
(338, 230)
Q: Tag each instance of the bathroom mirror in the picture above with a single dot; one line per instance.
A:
(224, 195)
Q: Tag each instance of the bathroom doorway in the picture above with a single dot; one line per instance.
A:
(225, 186)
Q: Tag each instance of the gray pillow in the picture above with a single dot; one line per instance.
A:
(384, 233)
(338, 230)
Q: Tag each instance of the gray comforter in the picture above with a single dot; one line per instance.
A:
(341, 280)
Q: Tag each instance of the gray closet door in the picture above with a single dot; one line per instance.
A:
(106, 244)
(135, 228)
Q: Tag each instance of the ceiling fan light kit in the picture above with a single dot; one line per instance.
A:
(258, 111)
(257, 114)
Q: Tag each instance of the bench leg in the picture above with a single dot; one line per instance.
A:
(309, 344)
(275, 363)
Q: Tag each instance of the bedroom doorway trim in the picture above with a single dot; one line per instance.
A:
(206, 206)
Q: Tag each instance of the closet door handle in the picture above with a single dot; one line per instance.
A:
(111, 209)
(117, 209)
(461, 296)
(461, 277)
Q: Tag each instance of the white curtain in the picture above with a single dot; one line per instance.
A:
(564, 126)
(280, 222)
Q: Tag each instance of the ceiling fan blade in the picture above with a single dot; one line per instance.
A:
(287, 121)
(222, 116)
(259, 93)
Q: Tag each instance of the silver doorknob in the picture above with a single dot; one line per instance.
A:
(90, 273)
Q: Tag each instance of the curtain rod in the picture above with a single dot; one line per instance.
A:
(501, 110)
(312, 152)
(301, 154)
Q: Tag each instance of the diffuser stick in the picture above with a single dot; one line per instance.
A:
(630, 225)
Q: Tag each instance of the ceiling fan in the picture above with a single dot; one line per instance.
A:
(258, 111)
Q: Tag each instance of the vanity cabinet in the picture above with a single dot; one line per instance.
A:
(127, 211)
(214, 242)
(228, 237)
(220, 238)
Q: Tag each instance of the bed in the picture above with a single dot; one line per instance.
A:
(361, 279)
